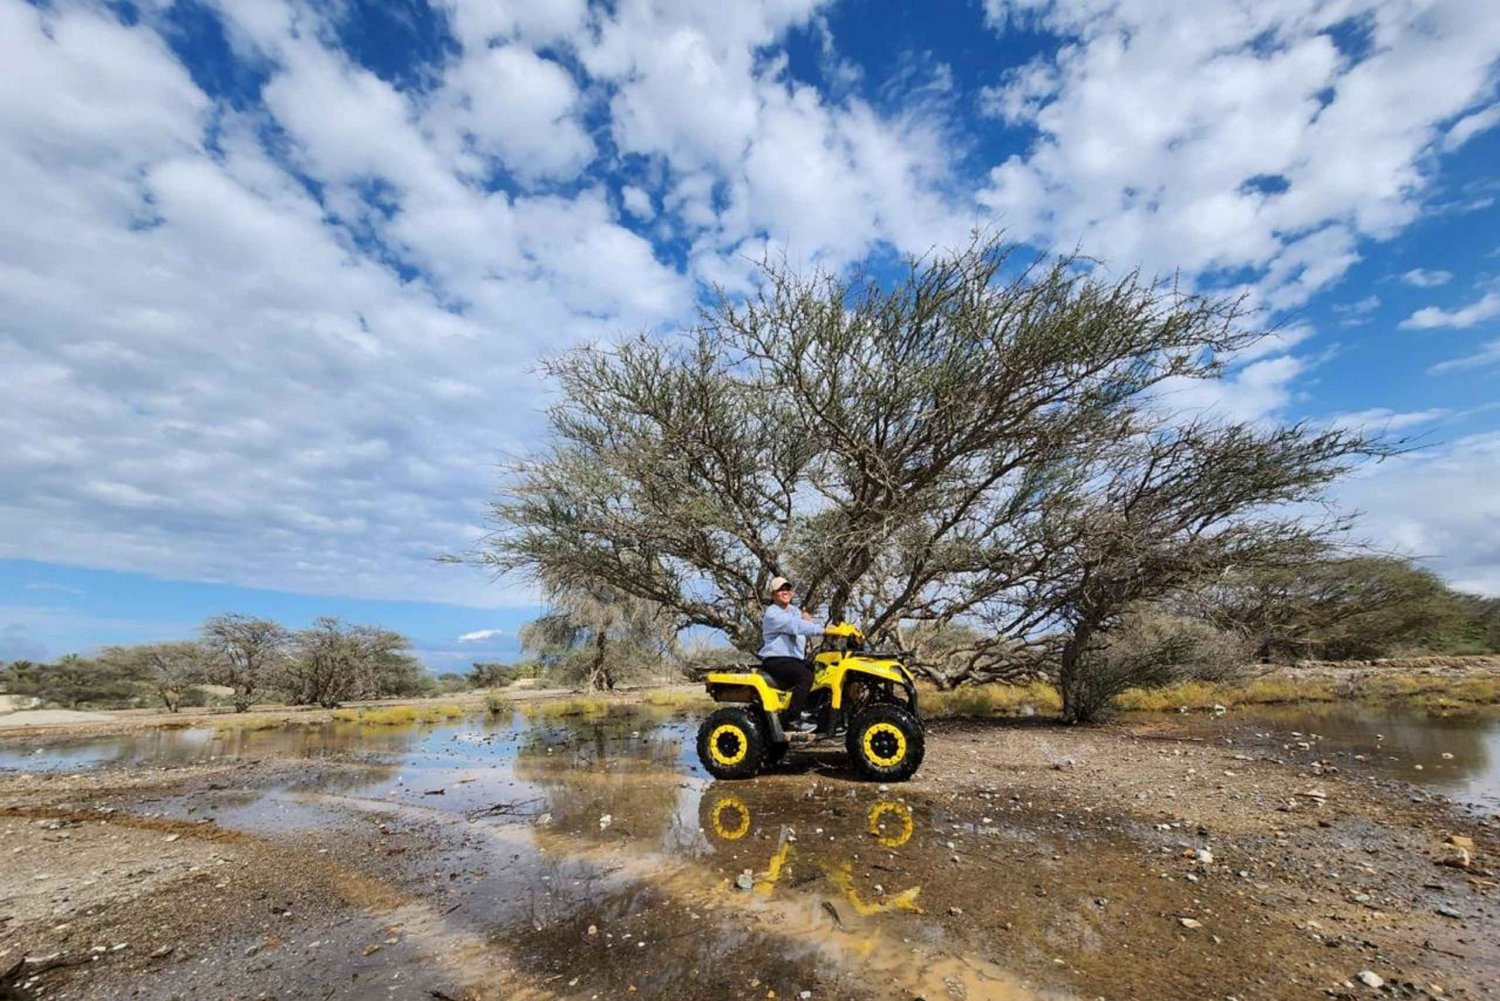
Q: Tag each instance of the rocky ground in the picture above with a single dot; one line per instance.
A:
(1146, 859)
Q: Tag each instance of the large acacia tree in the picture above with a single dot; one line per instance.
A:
(976, 442)
(243, 653)
(599, 636)
(333, 662)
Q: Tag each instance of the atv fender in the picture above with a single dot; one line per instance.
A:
(747, 686)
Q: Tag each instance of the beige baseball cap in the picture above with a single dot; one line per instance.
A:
(777, 583)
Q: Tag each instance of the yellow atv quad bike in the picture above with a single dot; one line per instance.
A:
(866, 697)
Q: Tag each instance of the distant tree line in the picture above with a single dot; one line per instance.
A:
(253, 659)
(1346, 608)
(1333, 607)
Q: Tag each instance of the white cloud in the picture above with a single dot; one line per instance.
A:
(1462, 318)
(1441, 505)
(48, 586)
(1024, 93)
(637, 202)
(1383, 419)
(480, 635)
(522, 109)
(1252, 392)
(752, 155)
(1422, 278)
(1488, 354)
(1469, 126)
(1358, 312)
(478, 23)
(1223, 136)
(212, 375)
(283, 345)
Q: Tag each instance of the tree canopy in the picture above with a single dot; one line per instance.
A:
(978, 442)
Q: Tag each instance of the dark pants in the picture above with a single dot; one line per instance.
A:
(793, 673)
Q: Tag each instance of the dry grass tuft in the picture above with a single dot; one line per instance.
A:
(250, 723)
(576, 705)
(1189, 694)
(1270, 691)
(1433, 693)
(677, 701)
(399, 715)
(990, 700)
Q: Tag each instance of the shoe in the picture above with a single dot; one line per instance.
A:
(803, 725)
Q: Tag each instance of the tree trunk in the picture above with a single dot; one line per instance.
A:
(1072, 679)
(597, 673)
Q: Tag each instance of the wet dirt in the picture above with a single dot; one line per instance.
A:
(592, 858)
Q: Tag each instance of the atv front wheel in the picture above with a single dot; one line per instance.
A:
(885, 743)
(730, 743)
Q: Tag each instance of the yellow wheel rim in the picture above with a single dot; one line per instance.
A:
(885, 745)
(904, 825)
(726, 805)
(728, 744)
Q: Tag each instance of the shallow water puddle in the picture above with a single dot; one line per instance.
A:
(1458, 756)
(592, 858)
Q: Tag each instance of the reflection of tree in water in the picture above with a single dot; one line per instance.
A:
(1414, 739)
(330, 740)
(345, 778)
(1425, 741)
(592, 770)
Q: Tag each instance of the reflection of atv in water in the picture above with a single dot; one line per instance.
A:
(867, 698)
(732, 828)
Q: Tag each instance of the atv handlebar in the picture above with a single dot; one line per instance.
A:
(845, 629)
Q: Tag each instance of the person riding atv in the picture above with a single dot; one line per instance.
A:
(867, 697)
(783, 653)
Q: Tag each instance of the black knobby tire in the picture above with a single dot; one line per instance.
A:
(885, 743)
(774, 753)
(731, 744)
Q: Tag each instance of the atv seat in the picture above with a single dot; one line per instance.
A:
(754, 669)
(770, 680)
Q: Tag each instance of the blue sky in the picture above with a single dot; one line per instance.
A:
(274, 277)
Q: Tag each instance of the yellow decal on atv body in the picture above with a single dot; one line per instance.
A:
(834, 669)
(770, 698)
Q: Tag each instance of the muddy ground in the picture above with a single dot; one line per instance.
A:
(582, 859)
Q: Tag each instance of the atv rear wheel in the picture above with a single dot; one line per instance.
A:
(730, 743)
(885, 743)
